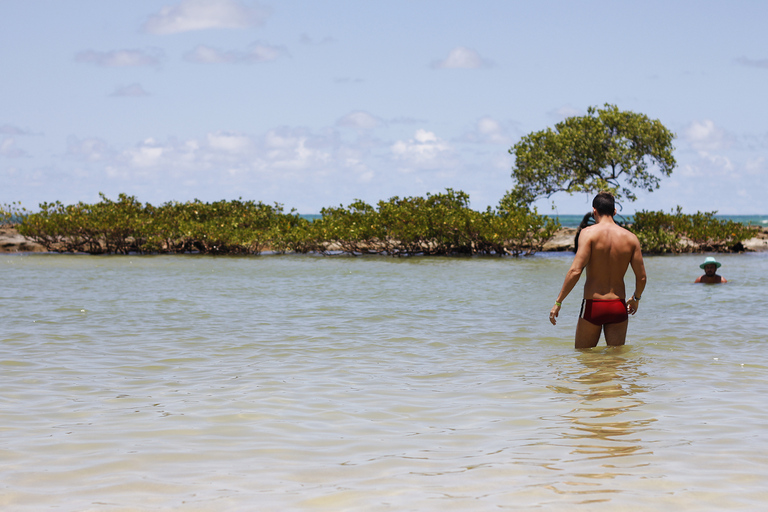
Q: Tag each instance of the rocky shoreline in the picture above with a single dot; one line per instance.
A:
(12, 242)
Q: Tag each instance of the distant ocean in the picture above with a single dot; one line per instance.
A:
(572, 221)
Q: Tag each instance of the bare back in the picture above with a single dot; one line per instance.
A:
(606, 250)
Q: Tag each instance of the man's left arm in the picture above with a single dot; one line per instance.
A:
(638, 268)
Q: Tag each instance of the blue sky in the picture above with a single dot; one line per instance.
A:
(319, 103)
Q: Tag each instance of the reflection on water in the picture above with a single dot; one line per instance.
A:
(603, 429)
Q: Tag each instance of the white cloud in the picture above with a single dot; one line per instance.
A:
(121, 58)
(228, 142)
(488, 131)
(147, 154)
(713, 158)
(424, 151)
(488, 126)
(708, 165)
(462, 58)
(191, 15)
(293, 151)
(305, 168)
(360, 119)
(705, 136)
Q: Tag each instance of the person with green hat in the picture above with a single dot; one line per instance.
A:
(710, 276)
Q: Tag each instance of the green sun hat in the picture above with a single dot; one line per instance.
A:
(710, 261)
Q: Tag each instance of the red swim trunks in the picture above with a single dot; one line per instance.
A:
(601, 312)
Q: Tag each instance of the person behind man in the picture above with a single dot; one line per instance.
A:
(710, 276)
(606, 250)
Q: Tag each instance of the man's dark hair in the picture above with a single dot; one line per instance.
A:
(604, 203)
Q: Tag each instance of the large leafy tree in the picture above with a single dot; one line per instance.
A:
(607, 149)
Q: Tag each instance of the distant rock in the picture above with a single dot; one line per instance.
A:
(758, 243)
(562, 241)
(12, 241)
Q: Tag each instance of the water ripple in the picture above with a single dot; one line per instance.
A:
(308, 383)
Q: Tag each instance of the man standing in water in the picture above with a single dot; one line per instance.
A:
(605, 250)
(710, 276)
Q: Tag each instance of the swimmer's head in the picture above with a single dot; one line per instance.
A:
(710, 260)
(710, 266)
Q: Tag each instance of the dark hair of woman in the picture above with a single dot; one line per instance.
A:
(588, 220)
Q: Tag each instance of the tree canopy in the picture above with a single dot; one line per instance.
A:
(607, 149)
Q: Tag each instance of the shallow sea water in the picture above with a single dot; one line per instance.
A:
(311, 383)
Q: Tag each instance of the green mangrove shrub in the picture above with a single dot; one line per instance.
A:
(127, 225)
(438, 224)
(676, 232)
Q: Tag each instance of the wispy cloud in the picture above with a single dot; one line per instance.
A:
(89, 150)
(308, 40)
(262, 52)
(203, 54)
(462, 58)
(360, 120)
(348, 80)
(564, 112)
(257, 52)
(8, 129)
(710, 143)
(753, 63)
(191, 15)
(705, 136)
(757, 166)
(121, 58)
(487, 130)
(9, 149)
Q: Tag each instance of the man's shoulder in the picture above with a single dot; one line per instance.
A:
(624, 232)
(613, 229)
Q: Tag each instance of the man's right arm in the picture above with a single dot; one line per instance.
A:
(580, 261)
